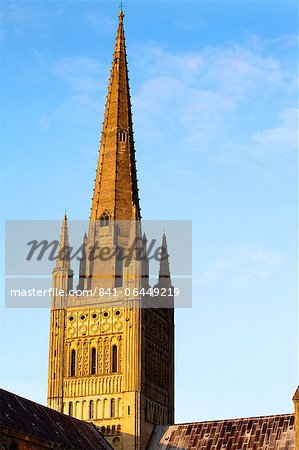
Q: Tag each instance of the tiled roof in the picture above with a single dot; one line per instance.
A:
(32, 419)
(253, 433)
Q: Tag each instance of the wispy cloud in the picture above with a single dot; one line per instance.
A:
(17, 17)
(238, 71)
(241, 265)
(217, 98)
(75, 110)
(280, 139)
(227, 102)
(86, 78)
(82, 73)
(100, 22)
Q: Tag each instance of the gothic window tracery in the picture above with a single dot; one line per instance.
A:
(104, 219)
(122, 136)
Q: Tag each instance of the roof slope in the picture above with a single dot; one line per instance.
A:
(253, 433)
(30, 418)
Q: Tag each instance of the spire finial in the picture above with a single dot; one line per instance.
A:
(63, 260)
(121, 12)
(164, 272)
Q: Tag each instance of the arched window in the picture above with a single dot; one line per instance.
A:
(116, 443)
(122, 136)
(71, 409)
(78, 410)
(91, 412)
(93, 361)
(119, 267)
(73, 363)
(104, 219)
(112, 408)
(114, 359)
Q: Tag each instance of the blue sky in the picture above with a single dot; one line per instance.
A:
(213, 88)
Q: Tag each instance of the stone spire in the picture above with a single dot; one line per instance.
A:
(63, 260)
(164, 272)
(82, 265)
(62, 274)
(115, 194)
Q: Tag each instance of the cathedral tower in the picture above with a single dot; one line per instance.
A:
(111, 359)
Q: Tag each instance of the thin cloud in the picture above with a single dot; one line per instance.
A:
(205, 98)
(280, 139)
(241, 265)
(215, 101)
(100, 23)
(85, 77)
(82, 73)
(18, 17)
(74, 110)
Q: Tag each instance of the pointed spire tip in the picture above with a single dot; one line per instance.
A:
(107, 192)
(121, 13)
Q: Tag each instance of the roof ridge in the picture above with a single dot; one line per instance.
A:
(232, 419)
(50, 410)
